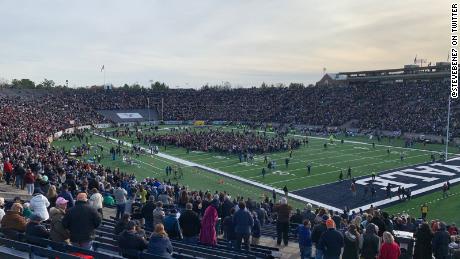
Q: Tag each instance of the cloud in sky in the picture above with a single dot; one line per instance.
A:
(190, 43)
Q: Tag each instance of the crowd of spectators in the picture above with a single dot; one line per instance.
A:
(223, 141)
(414, 107)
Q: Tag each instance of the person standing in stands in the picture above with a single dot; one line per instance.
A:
(282, 225)
(208, 235)
(147, 212)
(190, 224)
(7, 170)
(39, 204)
(95, 200)
(66, 195)
(243, 223)
(331, 242)
(171, 224)
(158, 214)
(389, 249)
(81, 220)
(351, 243)
(370, 242)
(255, 232)
(120, 195)
(305, 244)
(159, 243)
(13, 220)
(441, 241)
(58, 233)
(29, 180)
(423, 242)
(130, 240)
(35, 229)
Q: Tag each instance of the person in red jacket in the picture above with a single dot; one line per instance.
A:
(8, 169)
(389, 249)
(29, 180)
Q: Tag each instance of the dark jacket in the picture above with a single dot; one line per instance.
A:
(172, 227)
(441, 241)
(229, 228)
(160, 246)
(67, 196)
(370, 247)
(227, 205)
(423, 248)
(331, 243)
(130, 240)
(284, 212)
(243, 222)
(189, 223)
(318, 230)
(81, 220)
(256, 228)
(147, 211)
(351, 246)
(36, 230)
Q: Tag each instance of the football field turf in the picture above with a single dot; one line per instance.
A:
(356, 152)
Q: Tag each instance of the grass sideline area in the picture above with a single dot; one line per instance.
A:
(356, 152)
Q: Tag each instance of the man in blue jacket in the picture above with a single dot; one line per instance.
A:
(243, 223)
(305, 243)
(331, 242)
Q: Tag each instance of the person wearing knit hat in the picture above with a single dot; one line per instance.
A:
(282, 224)
(331, 242)
(330, 223)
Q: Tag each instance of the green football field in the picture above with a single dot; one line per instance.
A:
(355, 152)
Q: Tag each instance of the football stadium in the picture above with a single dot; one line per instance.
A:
(359, 163)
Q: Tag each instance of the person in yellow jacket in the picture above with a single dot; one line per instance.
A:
(424, 210)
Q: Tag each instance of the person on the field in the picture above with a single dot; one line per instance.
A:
(263, 172)
(309, 168)
(388, 191)
(424, 210)
(285, 189)
(286, 162)
(349, 173)
(353, 190)
(366, 191)
(341, 175)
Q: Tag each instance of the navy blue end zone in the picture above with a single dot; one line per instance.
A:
(420, 179)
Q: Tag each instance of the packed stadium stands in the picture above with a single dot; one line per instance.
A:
(55, 179)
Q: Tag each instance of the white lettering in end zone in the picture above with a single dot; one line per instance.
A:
(129, 115)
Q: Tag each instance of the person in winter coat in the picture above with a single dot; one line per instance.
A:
(351, 241)
(389, 249)
(190, 224)
(305, 244)
(441, 241)
(130, 240)
(208, 235)
(13, 220)
(121, 224)
(229, 229)
(65, 194)
(147, 212)
(243, 223)
(171, 224)
(255, 233)
(58, 233)
(95, 200)
(331, 242)
(282, 224)
(29, 180)
(158, 214)
(423, 240)
(318, 231)
(370, 242)
(35, 229)
(81, 220)
(39, 204)
(159, 243)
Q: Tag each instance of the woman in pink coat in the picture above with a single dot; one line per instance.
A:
(208, 224)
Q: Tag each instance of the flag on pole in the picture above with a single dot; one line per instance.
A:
(102, 68)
